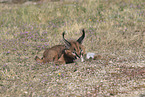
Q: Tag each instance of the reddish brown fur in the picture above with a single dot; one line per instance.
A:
(61, 54)
(68, 57)
(51, 54)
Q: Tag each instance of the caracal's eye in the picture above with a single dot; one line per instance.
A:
(74, 49)
(80, 49)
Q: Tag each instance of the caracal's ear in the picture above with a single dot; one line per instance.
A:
(80, 40)
(67, 44)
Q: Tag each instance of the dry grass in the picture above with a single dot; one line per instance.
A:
(114, 30)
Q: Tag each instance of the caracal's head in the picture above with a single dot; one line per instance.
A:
(76, 49)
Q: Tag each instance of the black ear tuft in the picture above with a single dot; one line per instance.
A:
(63, 34)
(80, 40)
(67, 44)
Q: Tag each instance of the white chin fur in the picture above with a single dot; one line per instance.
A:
(82, 59)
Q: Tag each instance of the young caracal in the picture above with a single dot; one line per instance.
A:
(63, 54)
